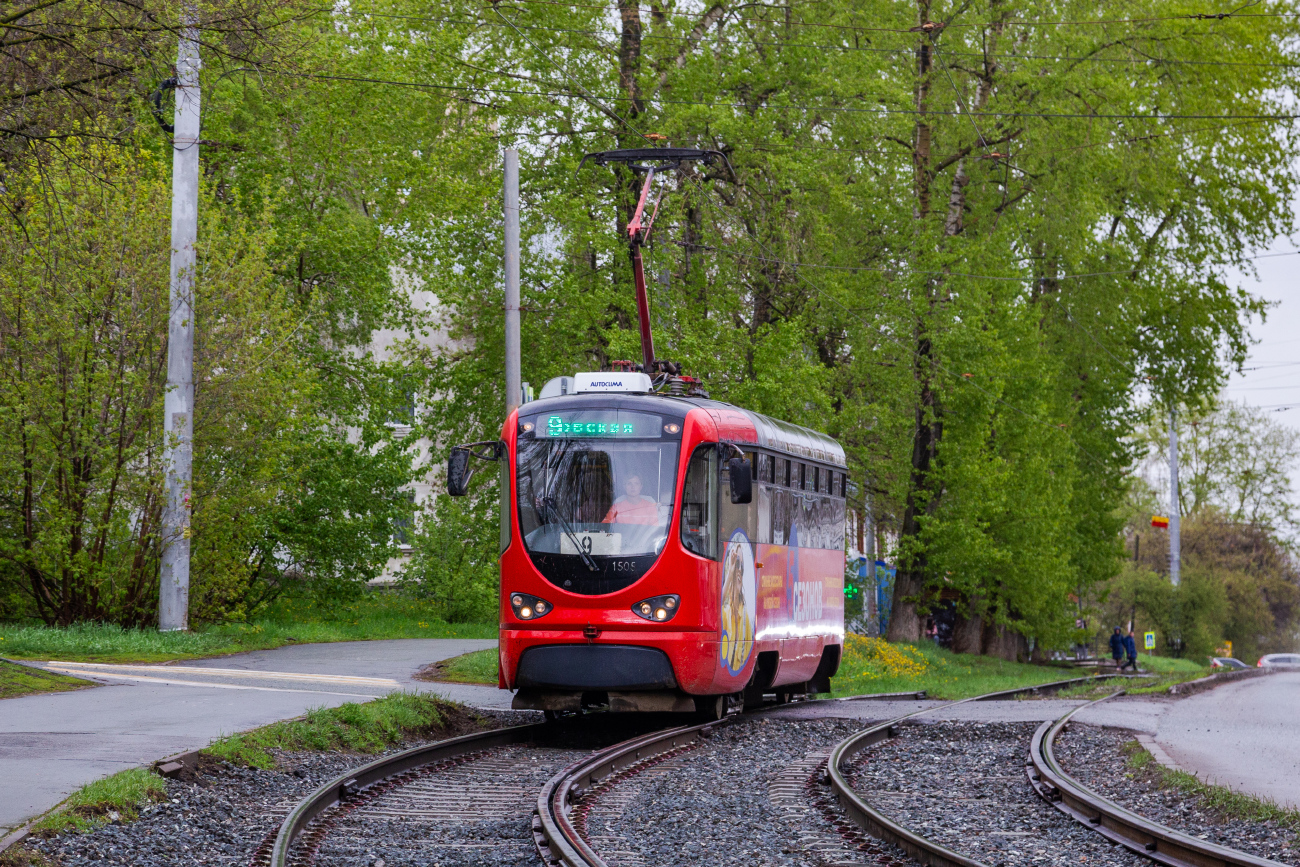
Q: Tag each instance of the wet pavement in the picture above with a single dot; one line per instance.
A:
(52, 744)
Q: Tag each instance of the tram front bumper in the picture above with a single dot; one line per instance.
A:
(643, 661)
(589, 667)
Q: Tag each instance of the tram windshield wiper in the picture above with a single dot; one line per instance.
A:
(587, 559)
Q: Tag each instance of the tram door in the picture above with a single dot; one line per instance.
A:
(738, 612)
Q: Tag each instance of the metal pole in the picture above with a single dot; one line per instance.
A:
(178, 405)
(514, 387)
(1175, 555)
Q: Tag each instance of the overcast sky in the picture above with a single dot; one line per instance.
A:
(1272, 376)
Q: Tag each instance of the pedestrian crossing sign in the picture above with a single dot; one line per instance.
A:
(1150, 640)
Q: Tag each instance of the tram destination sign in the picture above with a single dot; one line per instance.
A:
(609, 424)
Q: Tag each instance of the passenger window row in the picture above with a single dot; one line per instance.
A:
(790, 473)
(804, 520)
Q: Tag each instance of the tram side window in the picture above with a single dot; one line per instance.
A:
(699, 499)
(766, 471)
(803, 477)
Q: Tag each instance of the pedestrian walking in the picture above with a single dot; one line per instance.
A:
(1117, 646)
(1131, 650)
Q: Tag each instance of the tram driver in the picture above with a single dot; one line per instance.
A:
(633, 507)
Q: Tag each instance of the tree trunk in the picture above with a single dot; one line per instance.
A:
(968, 634)
(904, 619)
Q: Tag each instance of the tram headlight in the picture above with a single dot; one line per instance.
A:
(528, 607)
(657, 609)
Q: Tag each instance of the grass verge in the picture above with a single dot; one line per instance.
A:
(16, 680)
(872, 665)
(358, 728)
(478, 666)
(377, 615)
(115, 798)
(1224, 802)
(21, 856)
(1167, 671)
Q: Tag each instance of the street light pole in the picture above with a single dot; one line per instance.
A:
(514, 387)
(1175, 554)
(178, 404)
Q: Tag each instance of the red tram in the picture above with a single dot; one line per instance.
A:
(663, 551)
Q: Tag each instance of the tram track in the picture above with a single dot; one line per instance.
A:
(1155, 841)
(991, 803)
(578, 794)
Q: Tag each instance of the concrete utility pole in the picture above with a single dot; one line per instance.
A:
(514, 387)
(178, 421)
(1175, 555)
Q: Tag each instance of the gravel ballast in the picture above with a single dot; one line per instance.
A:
(220, 817)
(751, 795)
(1097, 759)
(964, 786)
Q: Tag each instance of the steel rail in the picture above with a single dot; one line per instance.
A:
(557, 838)
(353, 782)
(877, 824)
(1160, 843)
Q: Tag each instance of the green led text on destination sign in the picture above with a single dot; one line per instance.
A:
(599, 424)
(559, 426)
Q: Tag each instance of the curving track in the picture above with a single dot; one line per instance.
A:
(1139, 835)
(1155, 841)
(573, 786)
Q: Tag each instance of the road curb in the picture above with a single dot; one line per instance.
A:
(1192, 687)
(15, 837)
(1157, 752)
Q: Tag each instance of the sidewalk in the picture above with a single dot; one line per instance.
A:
(52, 744)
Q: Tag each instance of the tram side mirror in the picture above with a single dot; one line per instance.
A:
(458, 472)
(742, 487)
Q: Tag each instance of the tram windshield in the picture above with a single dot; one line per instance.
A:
(595, 495)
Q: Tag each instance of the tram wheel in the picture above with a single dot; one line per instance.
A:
(710, 708)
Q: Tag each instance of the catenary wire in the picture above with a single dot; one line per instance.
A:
(775, 106)
(1193, 16)
(899, 50)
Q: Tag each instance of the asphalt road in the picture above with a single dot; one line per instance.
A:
(1243, 735)
(52, 744)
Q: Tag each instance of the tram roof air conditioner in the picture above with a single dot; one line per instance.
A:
(587, 383)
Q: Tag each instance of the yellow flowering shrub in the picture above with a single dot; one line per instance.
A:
(875, 658)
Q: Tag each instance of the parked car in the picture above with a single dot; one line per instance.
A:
(1227, 663)
(1279, 660)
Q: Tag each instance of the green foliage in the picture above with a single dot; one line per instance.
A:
(873, 665)
(303, 620)
(1238, 584)
(454, 563)
(359, 728)
(116, 797)
(283, 490)
(977, 299)
(962, 250)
